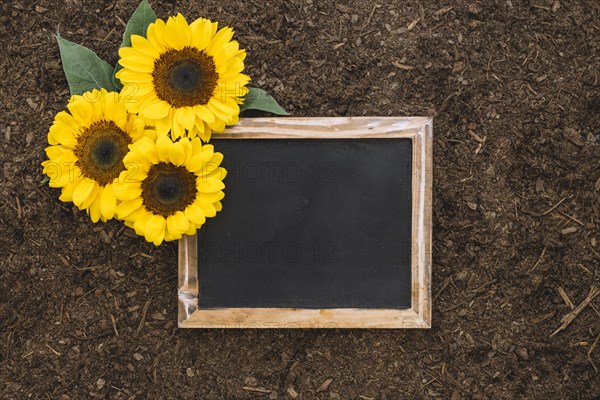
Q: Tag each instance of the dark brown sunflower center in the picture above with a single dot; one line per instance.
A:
(100, 150)
(168, 189)
(185, 77)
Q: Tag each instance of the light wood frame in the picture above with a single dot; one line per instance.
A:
(419, 130)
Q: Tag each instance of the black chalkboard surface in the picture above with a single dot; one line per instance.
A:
(310, 223)
(326, 223)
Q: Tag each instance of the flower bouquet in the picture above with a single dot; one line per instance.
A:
(133, 143)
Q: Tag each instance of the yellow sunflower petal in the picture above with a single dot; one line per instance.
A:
(187, 149)
(132, 77)
(218, 206)
(94, 210)
(205, 132)
(136, 126)
(218, 125)
(82, 191)
(195, 214)
(210, 167)
(192, 230)
(156, 34)
(201, 33)
(209, 185)
(177, 154)
(219, 173)
(163, 126)
(209, 198)
(125, 208)
(172, 228)
(177, 130)
(178, 33)
(182, 221)
(186, 117)
(92, 197)
(67, 120)
(127, 191)
(143, 45)
(204, 114)
(82, 112)
(155, 229)
(163, 147)
(67, 192)
(147, 149)
(61, 135)
(208, 209)
(60, 174)
(155, 109)
(108, 202)
(223, 36)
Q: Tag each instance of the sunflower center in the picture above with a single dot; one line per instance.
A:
(186, 77)
(100, 150)
(168, 189)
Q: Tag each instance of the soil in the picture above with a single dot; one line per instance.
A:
(514, 89)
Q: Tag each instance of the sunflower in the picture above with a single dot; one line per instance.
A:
(88, 145)
(171, 189)
(185, 77)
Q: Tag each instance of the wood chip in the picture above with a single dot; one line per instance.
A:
(258, 390)
(476, 136)
(413, 24)
(293, 394)
(325, 385)
(402, 66)
(158, 316)
(343, 8)
(442, 11)
(569, 230)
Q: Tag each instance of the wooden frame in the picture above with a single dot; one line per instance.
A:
(419, 130)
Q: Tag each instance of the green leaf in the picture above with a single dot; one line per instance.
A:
(258, 99)
(84, 69)
(138, 25)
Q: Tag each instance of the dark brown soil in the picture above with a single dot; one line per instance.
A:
(514, 88)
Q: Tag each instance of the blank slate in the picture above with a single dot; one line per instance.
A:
(326, 223)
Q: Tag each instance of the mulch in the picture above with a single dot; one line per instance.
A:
(89, 311)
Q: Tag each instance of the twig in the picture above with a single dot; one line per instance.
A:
(259, 390)
(428, 382)
(144, 312)
(539, 259)
(52, 350)
(369, 19)
(114, 324)
(549, 210)
(595, 252)
(566, 298)
(572, 218)
(591, 350)
(544, 317)
(444, 286)
(567, 319)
